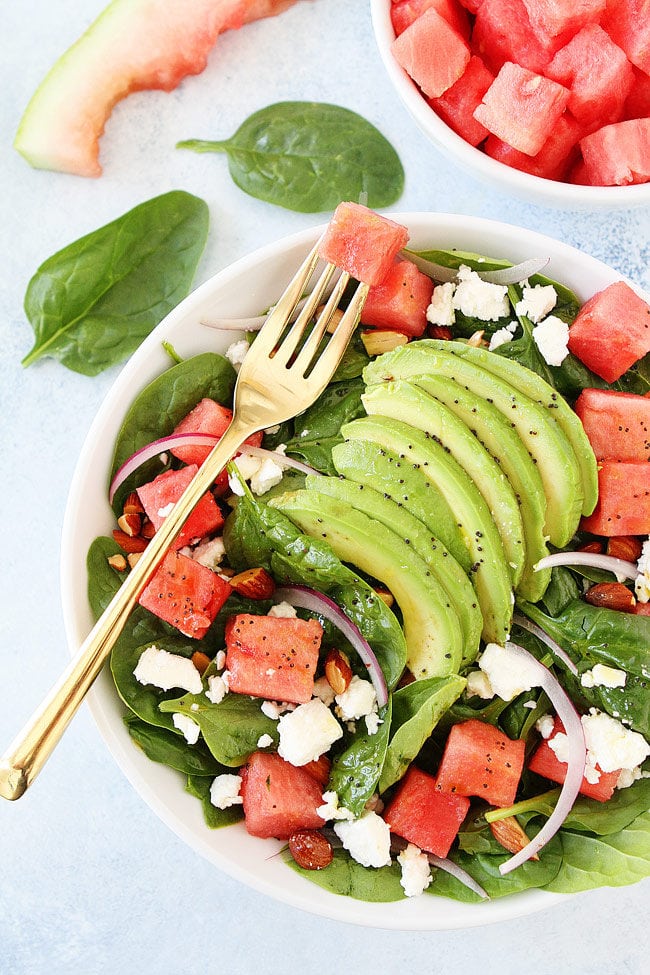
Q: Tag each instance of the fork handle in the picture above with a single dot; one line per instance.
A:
(29, 751)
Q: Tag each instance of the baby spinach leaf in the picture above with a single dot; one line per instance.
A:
(318, 429)
(348, 878)
(356, 770)
(94, 301)
(561, 590)
(308, 156)
(612, 860)
(199, 786)
(168, 748)
(591, 816)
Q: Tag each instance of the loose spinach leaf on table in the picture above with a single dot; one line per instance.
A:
(93, 302)
(308, 156)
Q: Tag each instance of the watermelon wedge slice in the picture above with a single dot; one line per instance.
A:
(133, 45)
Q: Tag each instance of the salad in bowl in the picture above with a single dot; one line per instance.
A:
(400, 650)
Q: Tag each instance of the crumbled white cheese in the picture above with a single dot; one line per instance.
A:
(551, 338)
(331, 809)
(209, 553)
(264, 741)
(166, 670)
(629, 776)
(163, 512)
(610, 745)
(220, 660)
(366, 839)
(416, 871)
(508, 675)
(307, 733)
(479, 299)
(272, 430)
(642, 582)
(217, 688)
(323, 690)
(357, 700)
(501, 336)
(373, 722)
(266, 476)
(545, 725)
(478, 685)
(273, 709)
(236, 353)
(537, 302)
(602, 676)
(190, 729)
(441, 309)
(283, 610)
(224, 791)
(531, 705)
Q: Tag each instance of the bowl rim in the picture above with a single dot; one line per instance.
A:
(569, 195)
(81, 521)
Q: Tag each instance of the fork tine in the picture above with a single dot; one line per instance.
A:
(331, 356)
(276, 322)
(310, 348)
(289, 344)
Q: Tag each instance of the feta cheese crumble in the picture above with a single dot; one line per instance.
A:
(323, 691)
(537, 302)
(441, 308)
(331, 809)
(273, 709)
(551, 338)
(166, 670)
(217, 688)
(642, 582)
(366, 839)
(283, 610)
(264, 741)
(545, 726)
(307, 732)
(267, 475)
(236, 353)
(224, 791)
(479, 299)
(602, 676)
(209, 553)
(501, 336)
(610, 746)
(190, 729)
(357, 700)
(507, 675)
(416, 871)
(478, 685)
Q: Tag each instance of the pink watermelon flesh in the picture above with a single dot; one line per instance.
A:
(166, 489)
(611, 331)
(133, 45)
(400, 302)
(555, 158)
(185, 594)
(362, 242)
(278, 797)
(209, 417)
(628, 24)
(521, 108)
(456, 106)
(404, 12)
(432, 53)
(559, 16)
(637, 103)
(618, 154)
(503, 32)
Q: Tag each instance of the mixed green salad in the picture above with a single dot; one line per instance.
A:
(418, 582)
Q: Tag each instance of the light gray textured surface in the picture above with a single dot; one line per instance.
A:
(90, 880)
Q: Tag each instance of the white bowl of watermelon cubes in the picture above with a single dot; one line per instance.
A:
(547, 99)
(181, 606)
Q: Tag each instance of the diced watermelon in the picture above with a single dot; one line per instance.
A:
(560, 16)
(400, 302)
(596, 72)
(209, 417)
(319, 768)
(185, 594)
(362, 242)
(165, 490)
(432, 53)
(628, 24)
(132, 45)
(637, 104)
(421, 814)
(503, 32)
(555, 158)
(471, 5)
(456, 106)
(278, 797)
(272, 656)
(545, 762)
(480, 760)
(623, 500)
(617, 424)
(522, 108)
(618, 154)
(611, 331)
(404, 12)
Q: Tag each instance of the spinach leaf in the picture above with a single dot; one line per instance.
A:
(93, 302)
(348, 878)
(318, 429)
(356, 770)
(308, 156)
(603, 818)
(417, 708)
(612, 860)
(199, 786)
(561, 590)
(168, 748)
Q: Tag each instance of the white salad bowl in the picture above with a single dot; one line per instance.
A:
(243, 289)
(546, 192)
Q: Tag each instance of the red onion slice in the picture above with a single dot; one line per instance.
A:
(443, 863)
(317, 602)
(502, 275)
(627, 570)
(542, 635)
(541, 676)
(255, 322)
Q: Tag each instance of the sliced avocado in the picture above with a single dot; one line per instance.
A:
(488, 571)
(498, 437)
(543, 438)
(532, 385)
(433, 636)
(402, 400)
(440, 563)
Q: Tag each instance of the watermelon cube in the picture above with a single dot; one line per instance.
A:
(278, 798)
(597, 74)
(211, 418)
(553, 161)
(618, 154)
(272, 656)
(362, 242)
(400, 302)
(185, 594)
(421, 814)
(642, 609)
(522, 108)
(160, 495)
(545, 762)
(617, 424)
(404, 12)
(432, 52)
(562, 16)
(628, 24)
(503, 32)
(623, 500)
(611, 331)
(637, 103)
(456, 106)
(480, 760)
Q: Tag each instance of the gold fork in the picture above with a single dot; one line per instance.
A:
(277, 381)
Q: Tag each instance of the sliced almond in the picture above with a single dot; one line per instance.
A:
(510, 835)
(626, 547)
(337, 315)
(117, 562)
(338, 671)
(130, 543)
(595, 547)
(440, 332)
(133, 505)
(476, 339)
(130, 524)
(133, 558)
(254, 584)
(201, 661)
(611, 595)
(376, 341)
(310, 849)
(147, 530)
(385, 595)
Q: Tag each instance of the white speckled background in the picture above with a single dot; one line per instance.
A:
(90, 880)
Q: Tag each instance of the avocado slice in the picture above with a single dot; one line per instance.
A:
(402, 400)
(543, 438)
(498, 437)
(440, 564)
(488, 571)
(537, 389)
(433, 636)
